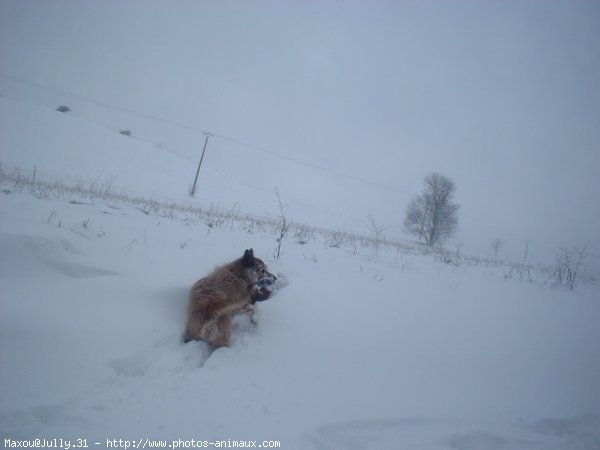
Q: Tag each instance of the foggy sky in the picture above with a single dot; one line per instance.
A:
(501, 96)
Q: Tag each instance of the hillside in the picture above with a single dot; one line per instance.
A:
(361, 347)
(74, 148)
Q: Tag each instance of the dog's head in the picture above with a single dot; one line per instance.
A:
(262, 280)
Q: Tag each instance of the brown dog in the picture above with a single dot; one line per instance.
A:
(232, 288)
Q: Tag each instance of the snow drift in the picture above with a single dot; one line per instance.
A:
(358, 350)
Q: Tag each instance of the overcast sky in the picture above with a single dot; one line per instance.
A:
(501, 96)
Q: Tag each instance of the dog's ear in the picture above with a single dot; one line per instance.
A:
(248, 259)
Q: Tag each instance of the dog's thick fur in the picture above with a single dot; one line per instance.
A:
(230, 289)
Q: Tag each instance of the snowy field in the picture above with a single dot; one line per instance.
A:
(357, 349)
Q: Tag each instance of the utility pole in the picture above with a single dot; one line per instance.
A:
(526, 250)
(207, 134)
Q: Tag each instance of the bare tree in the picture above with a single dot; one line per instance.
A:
(432, 215)
(458, 245)
(568, 266)
(377, 231)
(283, 225)
(497, 245)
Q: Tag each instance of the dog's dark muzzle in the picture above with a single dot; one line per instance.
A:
(267, 282)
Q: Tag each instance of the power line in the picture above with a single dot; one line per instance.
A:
(244, 144)
(314, 166)
(204, 132)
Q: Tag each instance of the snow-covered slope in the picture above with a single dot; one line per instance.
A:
(75, 148)
(356, 350)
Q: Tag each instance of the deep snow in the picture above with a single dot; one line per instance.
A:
(356, 350)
